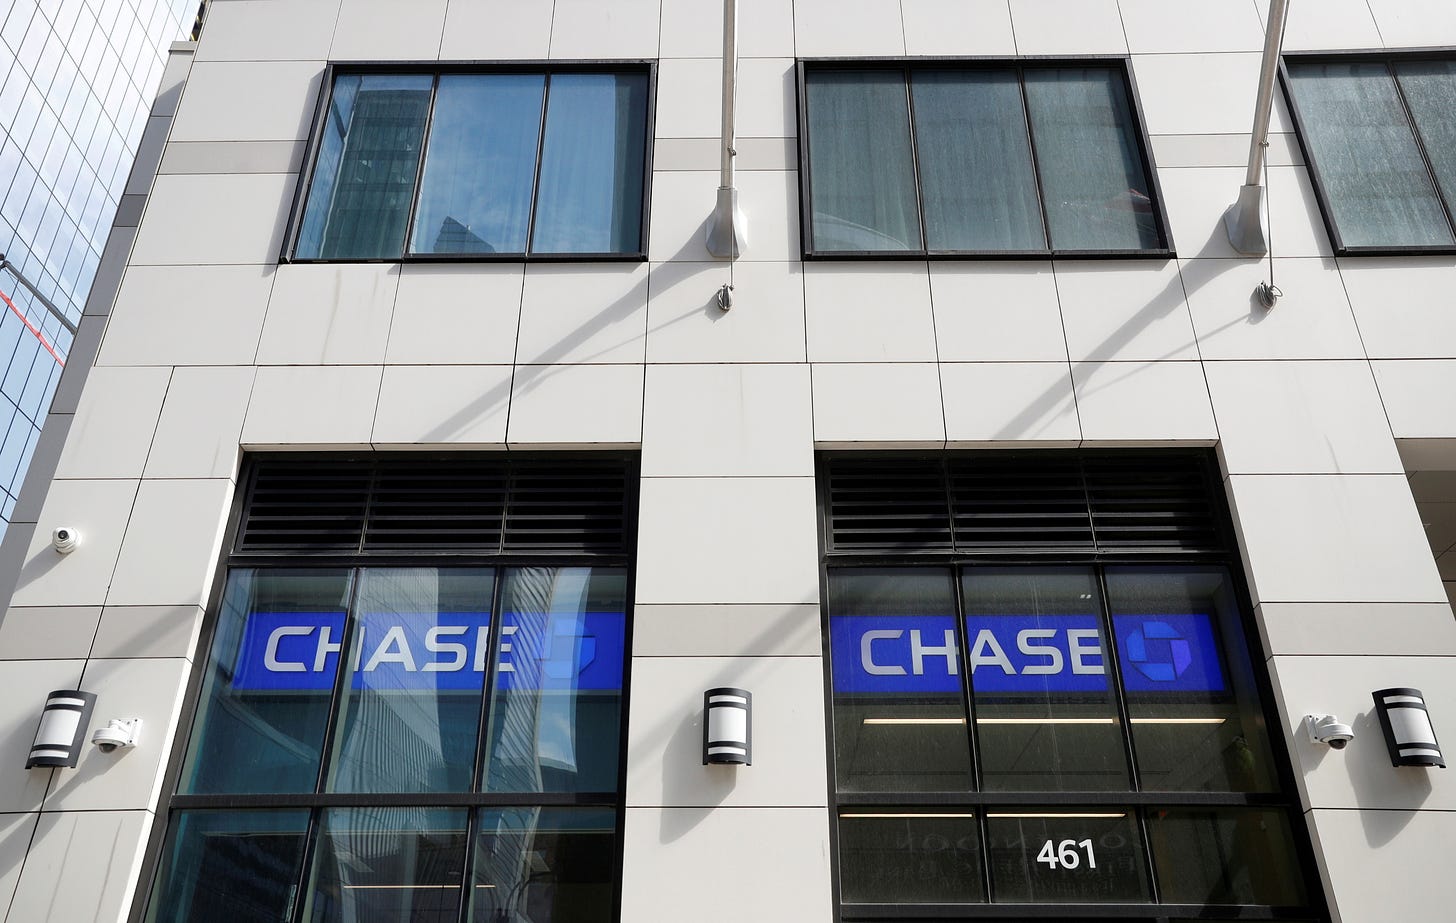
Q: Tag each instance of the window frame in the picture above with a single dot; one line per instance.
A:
(1097, 560)
(1365, 55)
(170, 803)
(905, 65)
(333, 71)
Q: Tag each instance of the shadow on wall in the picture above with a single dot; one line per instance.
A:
(1175, 294)
(1375, 780)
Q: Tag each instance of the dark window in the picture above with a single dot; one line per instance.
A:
(495, 164)
(1378, 135)
(967, 159)
(1043, 693)
(396, 728)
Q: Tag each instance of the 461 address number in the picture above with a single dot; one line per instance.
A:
(1066, 854)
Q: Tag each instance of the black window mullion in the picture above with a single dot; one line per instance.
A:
(313, 833)
(487, 683)
(343, 676)
(536, 176)
(915, 160)
(414, 210)
(467, 865)
(1420, 144)
(1046, 234)
(1113, 670)
(971, 728)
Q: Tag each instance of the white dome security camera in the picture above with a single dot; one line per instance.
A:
(1329, 730)
(65, 539)
(117, 735)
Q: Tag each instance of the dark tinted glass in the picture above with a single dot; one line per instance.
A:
(889, 856)
(975, 163)
(1189, 682)
(544, 865)
(1046, 714)
(475, 195)
(1076, 856)
(861, 169)
(1096, 191)
(555, 709)
(270, 676)
(899, 706)
(1430, 94)
(388, 864)
(592, 161)
(368, 159)
(238, 866)
(1225, 856)
(410, 711)
(1369, 165)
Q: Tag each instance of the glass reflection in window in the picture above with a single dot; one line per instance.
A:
(410, 712)
(555, 705)
(270, 677)
(899, 705)
(1045, 710)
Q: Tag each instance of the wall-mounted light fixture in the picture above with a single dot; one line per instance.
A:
(62, 729)
(1407, 727)
(728, 726)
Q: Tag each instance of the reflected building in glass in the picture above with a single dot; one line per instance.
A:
(79, 79)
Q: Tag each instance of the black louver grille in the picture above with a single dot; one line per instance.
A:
(993, 501)
(469, 506)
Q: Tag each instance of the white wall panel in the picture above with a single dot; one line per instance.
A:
(727, 420)
(188, 315)
(214, 219)
(374, 30)
(443, 405)
(1146, 402)
(172, 540)
(1403, 305)
(312, 405)
(237, 101)
(727, 540)
(456, 314)
(202, 420)
(1332, 538)
(676, 859)
(329, 314)
(1067, 27)
(267, 30)
(765, 324)
(665, 740)
(1312, 319)
(986, 311)
(150, 689)
(497, 30)
(869, 312)
(958, 27)
(106, 844)
(849, 28)
(1009, 402)
(891, 404)
(575, 405)
(1300, 418)
(113, 428)
(588, 29)
(1417, 396)
(728, 630)
(1114, 310)
(99, 510)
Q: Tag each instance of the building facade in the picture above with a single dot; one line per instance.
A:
(78, 86)
(419, 471)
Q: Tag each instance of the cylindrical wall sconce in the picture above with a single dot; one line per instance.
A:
(62, 729)
(728, 726)
(1407, 727)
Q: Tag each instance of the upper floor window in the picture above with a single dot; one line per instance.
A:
(481, 164)
(1381, 146)
(974, 158)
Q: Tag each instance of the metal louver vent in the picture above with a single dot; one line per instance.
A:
(1010, 500)
(1166, 504)
(432, 506)
(888, 505)
(1005, 501)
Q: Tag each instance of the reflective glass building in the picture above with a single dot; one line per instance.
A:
(79, 78)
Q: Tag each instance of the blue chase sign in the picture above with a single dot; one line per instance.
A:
(1022, 654)
(297, 651)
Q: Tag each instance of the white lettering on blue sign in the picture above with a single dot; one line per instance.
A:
(1021, 653)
